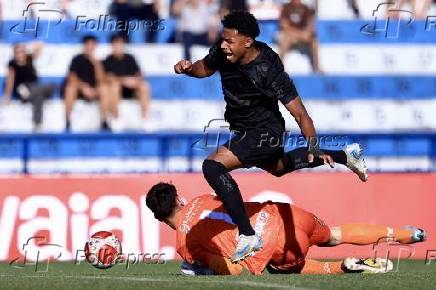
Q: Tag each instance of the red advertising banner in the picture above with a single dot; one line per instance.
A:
(56, 215)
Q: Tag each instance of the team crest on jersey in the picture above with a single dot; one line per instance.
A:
(261, 220)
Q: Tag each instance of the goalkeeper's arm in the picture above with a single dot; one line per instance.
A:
(220, 265)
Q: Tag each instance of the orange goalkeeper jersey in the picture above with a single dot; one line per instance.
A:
(206, 232)
(204, 229)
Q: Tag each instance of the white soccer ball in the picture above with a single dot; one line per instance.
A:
(103, 249)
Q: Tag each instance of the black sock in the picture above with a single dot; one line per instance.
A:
(227, 190)
(297, 159)
(338, 156)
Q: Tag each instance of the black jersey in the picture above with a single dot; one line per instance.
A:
(252, 91)
(23, 73)
(121, 67)
(82, 66)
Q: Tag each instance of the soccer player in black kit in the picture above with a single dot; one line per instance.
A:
(253, 81)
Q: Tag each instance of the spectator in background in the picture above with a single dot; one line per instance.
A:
(64, 6)
(198, 23)
(22, 81)
(265, 9)
(1, 20)
(355, 7)
(297, 28)
(86, 81)
(124, 78)
(120, 9)
(227, 6)
(148, 10)
(419, 8)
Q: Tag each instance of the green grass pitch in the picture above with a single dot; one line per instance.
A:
(410, 275)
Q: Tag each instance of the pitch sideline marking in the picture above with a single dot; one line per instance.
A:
(144, 279)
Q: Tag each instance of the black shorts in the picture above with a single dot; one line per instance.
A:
(127, 93)
(257, 147)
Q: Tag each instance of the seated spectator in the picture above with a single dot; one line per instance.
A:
(297, 28)
(85, 81)
(124, 77)
(147, 10)
(22, 82)
(198, 23)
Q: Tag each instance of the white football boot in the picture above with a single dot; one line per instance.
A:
(355, 160)
(371, 266)
(247, 246)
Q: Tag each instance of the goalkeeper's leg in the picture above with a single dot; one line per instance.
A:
(349, 265)
(364, 234)
(317, 267)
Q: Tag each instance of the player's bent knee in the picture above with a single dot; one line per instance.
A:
(218, 177)
(213, 169)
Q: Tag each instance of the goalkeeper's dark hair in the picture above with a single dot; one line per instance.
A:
(244, 22)
(162, 200)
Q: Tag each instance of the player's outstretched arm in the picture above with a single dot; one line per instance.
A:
(219, 264)
(197, 69)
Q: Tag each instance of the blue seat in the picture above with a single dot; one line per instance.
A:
(268, 31)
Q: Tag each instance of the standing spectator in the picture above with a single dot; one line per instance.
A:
(197, 23)
(22, 81)
(145, 10)
(120, 9)
(297, 27)
(85, 81)
(124, 77)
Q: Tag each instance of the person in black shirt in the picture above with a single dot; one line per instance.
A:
(253, 81)
(86, 81)
(22, 82)
(124, 78)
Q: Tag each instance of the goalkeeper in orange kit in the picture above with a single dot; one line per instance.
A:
(206, 236)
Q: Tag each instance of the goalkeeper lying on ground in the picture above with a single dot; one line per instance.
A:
(207, 237)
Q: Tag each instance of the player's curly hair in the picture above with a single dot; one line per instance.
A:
(244, 22)
(162, 200)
